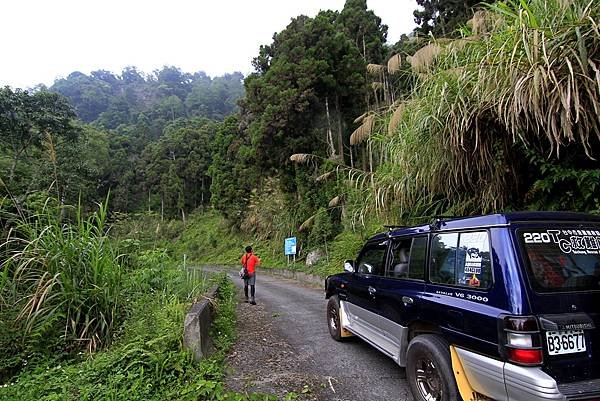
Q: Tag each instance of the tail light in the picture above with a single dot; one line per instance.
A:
(520, 340)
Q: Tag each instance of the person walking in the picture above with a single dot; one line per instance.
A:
(250, 261)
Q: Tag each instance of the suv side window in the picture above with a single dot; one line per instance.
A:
(372, 259)
(408, 258)
(461, 259)
(418, 255)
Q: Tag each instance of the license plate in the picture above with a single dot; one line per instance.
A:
(565, 342)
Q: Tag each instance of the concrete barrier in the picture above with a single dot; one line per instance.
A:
(307, 278)
(197, 324)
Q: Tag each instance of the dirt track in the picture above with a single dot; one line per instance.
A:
(284, 346)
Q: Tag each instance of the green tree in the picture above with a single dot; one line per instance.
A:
(111, 100)
(215, 98)
(443, 17)
(175, 168)
(309, 84)
(75, 168)
(171, 81)
(232, 171)
(27, 119)
(365, 29)
(170, 108)
(89, 96)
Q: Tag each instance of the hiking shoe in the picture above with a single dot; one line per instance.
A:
(252, 302)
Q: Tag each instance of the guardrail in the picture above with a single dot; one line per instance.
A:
(197, 324)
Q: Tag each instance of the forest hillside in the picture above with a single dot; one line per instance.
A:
(482, 109)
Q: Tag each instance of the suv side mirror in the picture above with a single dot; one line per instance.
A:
(349, 266)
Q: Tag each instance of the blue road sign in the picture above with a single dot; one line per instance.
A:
(290, 246)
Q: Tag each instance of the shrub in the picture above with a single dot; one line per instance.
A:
(61, 285)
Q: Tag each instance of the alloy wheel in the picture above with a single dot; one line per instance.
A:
(333, 319)
(429, 381)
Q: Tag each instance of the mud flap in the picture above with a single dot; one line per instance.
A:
(464, 387)
(344, 321)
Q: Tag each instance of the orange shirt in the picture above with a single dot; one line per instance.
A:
(253, 261)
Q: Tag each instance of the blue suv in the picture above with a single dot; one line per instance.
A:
(502, 306)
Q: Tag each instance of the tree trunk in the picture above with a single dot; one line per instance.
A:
(202, 193)
(339, 124)
(62, 209)
(386, 93)
(330, 147)
(376, 99)
(370, 150)
(364, 48)
(13, 166)
(162, 208)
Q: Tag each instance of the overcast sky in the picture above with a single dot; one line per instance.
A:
(46, 39)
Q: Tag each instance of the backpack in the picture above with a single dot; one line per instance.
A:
(244, 272)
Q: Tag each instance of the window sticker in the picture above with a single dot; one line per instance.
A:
(583, 242)
(473, 261)
(563, 259)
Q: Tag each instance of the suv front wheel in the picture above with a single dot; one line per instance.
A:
(334, 319)
(429, 369)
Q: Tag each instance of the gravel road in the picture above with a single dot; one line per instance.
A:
(284, 346)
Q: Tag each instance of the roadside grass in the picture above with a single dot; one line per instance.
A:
(147, 362)
(345, 245)
(61, 286)
(207, 239)
(86, 316)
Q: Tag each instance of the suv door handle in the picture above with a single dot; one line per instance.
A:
(372, 291)
(407, 300)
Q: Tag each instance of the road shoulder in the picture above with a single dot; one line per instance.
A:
(262, 361)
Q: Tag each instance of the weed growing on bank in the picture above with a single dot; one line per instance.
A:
(61, 286)
(206, 238)
(147, 362)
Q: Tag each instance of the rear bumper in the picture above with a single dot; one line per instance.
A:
(506, 381)
(530, 383)
(581, 390)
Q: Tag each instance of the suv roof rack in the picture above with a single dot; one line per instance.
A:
(438, 221)
(391, 227)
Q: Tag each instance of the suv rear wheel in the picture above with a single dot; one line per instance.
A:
(429, 369)
(333, 318)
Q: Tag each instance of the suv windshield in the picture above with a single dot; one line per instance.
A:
(563, 258)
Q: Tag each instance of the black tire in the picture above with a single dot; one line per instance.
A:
(429, 369)
(333, 318)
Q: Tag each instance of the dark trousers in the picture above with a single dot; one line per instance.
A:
(250, 281)
(252, 290)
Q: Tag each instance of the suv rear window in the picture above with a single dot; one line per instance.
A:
(562, 259)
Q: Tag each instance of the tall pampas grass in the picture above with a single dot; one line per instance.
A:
(527, 73)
